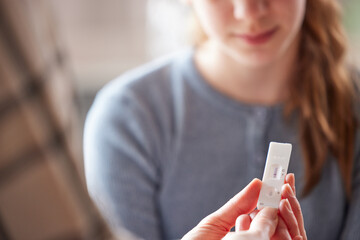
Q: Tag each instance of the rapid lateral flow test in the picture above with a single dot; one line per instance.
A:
(276, 167)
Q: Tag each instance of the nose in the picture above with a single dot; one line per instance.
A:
(250, 9)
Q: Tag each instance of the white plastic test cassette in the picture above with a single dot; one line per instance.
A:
(276, 166)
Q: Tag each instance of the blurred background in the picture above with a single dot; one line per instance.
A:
(105, 38)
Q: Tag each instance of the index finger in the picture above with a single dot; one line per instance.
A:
(242, 203)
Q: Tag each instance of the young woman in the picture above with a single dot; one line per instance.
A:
(168, 143)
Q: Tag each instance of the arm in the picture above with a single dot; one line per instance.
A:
(121, 171)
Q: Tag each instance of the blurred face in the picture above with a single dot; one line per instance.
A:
(253, 32)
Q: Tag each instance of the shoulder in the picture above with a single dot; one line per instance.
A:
(154, 77)
(141, 94)
(145, 92)
(135, 109)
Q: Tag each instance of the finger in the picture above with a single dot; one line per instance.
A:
(290, 179)
(287, 192)
(242, 223)
(242, 203)
(289, 218)
(253, 214)
(281, 231)
(265, 222)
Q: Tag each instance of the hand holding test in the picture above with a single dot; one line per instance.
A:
(276, 166)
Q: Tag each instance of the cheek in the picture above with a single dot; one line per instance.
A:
(291, 14)
(214, 18)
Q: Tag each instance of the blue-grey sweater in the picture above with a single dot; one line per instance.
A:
(163, 149)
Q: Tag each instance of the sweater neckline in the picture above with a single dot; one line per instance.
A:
(225, 102)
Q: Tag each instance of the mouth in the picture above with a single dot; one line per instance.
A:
(258, 38)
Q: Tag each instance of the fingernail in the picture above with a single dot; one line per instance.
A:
(291, 193)
(287, 190)
(287, 177)
(292, 175)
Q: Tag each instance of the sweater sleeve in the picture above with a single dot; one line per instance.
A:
(120, 142)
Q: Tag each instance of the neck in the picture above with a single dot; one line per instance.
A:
(265, 85)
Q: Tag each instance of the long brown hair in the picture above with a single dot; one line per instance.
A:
(323, 92)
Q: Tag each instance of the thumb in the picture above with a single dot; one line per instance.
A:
(242, 203)
(265, 222)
